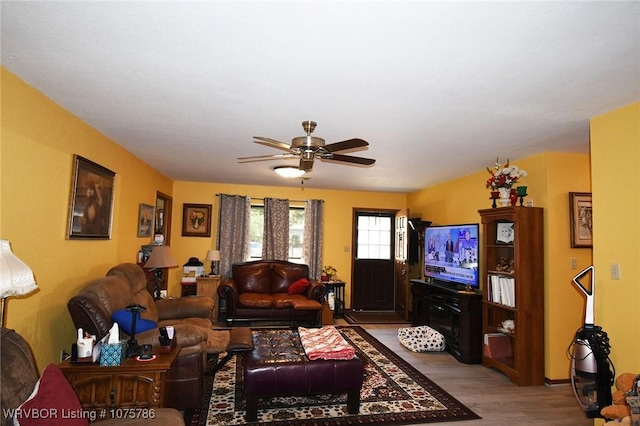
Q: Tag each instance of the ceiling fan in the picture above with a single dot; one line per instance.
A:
(308, 148)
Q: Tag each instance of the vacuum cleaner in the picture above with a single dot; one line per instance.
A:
(592, 372)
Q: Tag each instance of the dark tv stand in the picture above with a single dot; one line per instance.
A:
(454, 313)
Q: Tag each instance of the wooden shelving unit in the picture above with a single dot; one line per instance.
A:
(521, 263)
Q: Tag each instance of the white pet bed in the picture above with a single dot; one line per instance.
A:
(421, 339)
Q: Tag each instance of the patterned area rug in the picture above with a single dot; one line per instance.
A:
(393, 392)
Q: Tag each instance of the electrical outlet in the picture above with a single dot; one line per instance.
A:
(529, 203)
(347, 249)
(615, 271)
(163, 294)
(574, 263)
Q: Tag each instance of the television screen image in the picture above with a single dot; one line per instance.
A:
(451, 254)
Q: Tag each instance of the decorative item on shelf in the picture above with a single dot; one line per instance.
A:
(513, 197)
(521, 191)
(328, 273)
(503, 177)
(16, 278)
(160, 258)
(494, 196)
(507, 326)
(505, 265)
(214, 257)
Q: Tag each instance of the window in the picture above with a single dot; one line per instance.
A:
(374, 237)
(296, 233)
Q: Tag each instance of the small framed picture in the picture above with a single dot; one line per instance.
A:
(91, 203)
(196, 220)
(504, 233)
(145, 220)
(581, 219)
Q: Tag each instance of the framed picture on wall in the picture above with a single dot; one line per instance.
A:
(581, 219)
(196, 220)
(146, 219)
(504, 233)
(91, 203)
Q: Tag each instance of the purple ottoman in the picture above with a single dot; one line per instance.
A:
(278, 366)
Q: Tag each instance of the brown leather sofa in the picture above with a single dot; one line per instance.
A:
(259, 290)
(124, 285)
(19, 377)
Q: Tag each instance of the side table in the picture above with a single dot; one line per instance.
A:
(131, 385)
(337, 288)
(208, 286)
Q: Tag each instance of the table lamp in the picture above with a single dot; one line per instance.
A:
(214, 257)
(160, 258)
(16, 278)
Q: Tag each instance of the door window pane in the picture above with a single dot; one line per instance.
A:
(374, 238)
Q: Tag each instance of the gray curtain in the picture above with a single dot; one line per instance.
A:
(275, 238)
(233, 231)
(312, 240)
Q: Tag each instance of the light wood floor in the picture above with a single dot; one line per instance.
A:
(489, 393)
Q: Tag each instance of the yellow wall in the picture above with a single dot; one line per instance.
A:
(38, 142)
(36, 152)
(615, 167)
(550, 177)
(338, 211)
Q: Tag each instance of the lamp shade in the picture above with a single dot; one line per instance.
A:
(213, 255)
(16, 278)
(160, 257)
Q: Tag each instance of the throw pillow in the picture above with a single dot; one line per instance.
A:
(124, 319)
(299, 286)
(52, 402)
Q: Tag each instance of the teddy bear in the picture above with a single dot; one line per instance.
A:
(619, 411)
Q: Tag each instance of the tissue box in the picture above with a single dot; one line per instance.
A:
(111, 354)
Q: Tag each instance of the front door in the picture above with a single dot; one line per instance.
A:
(373, 267)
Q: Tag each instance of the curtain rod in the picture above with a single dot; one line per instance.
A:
(262, 199)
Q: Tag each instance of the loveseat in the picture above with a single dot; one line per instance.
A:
(271, 290)
(55, 398)
(125, 284)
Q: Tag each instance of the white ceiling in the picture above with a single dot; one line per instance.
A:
(438, 89)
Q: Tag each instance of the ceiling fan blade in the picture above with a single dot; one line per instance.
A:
(264, 158)
(352, 159)
(306, 165)
(348, 144)
(272, 143)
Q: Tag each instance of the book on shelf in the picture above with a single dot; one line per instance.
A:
(497, 345)
(502, 290)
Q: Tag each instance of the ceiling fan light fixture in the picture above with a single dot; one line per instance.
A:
(288, 171)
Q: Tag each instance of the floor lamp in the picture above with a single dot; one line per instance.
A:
(16, 278)
(160, 258)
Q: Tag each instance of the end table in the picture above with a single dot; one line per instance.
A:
(131, 385)
(337, 288)
(208, 286)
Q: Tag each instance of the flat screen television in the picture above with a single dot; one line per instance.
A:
(451, 255)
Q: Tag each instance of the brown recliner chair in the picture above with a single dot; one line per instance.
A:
(124, 285)
(19, 377)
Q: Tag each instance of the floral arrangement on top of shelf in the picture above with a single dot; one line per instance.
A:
(503, 178)
(328, 273)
